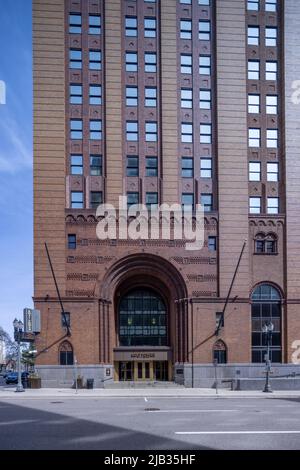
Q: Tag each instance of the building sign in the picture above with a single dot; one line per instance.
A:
(153, 355)
(32, 320)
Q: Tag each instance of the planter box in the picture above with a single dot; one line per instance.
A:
(34, 382)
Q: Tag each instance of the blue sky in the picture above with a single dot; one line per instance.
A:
(16, 229)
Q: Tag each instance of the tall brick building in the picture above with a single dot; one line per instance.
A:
(166, 101)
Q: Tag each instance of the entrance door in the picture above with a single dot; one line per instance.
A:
(126, 371)
(161, 371)
(143, 371)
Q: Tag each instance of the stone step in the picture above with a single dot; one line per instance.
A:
(143, 385)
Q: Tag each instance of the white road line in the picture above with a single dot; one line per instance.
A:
(146, 400)
(192, 411)
(236, 432)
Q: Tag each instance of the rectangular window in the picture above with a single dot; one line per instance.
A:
(219, 318)
(151, 132)
(96, 165)
(76, 94)
(95, 130)
(271, 70)
(186, 133)
(206, 201)
(132, 198)
(76, 129)
(205, 99)
(185, 29)
(186, 63)
(186, 98)
(271, 104)
(272, 172)
(94, 24)
(95, 94)
(253, 5)
(75, 59)
(151, 201)
(132, 168)
(212, 243)
(186, 2)
(272, 138)
(131, 62)
(131, 96)
(254, 171)
(95, 60)
(253, 35)
(273, 205)
(204, 65)
(254, 137)
(187, 167)
(204, 2)
(150, 62)
(131, 131)
(205, 133)
(77, 200)
(254, 205)
(254, 104)
(95, 199)
(150, 97)
(259, 246)
(253, 69)
(271, 5)
(75, 23)
(150, 27)
(271, 37)
(131, 26)
(204, 30)
(271, 246)
(66, 318)
(206, 167)
(187, 201)
(71, 242)
(76, 165)
(151, 166)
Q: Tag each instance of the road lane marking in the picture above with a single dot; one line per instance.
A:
(193, 411)
(234, 432)
(145, 399)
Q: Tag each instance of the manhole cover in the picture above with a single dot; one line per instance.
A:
(152, 409)
(56, 402)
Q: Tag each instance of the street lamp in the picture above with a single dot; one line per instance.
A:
(268, 330)
(18, 330)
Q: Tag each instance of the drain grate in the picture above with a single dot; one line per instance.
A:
(56, 402)
(152, 409)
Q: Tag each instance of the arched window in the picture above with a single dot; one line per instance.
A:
(66, 356)
(142, 319)
(266, 244)
(266, 308)
(220, 352)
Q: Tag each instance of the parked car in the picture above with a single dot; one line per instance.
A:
(12, 378)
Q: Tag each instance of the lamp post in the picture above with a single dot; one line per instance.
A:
(18, 330)
(268, 330)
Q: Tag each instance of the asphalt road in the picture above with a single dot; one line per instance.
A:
(150, 423)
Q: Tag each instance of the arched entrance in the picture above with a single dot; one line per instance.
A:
(220, 352)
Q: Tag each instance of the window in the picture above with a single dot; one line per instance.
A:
(272, 138)
(204, 65)
(132, 166)
(254, 104)
(273, 205)
(151, 132)
(187, 201)
(75, 59)
(253, 35)
(206, 201)
(253, 69)
(219, 318)
(204, 2)
(77, 200)
(76, 129)
(186, 63)
(131, 26)
(205, 99)
(65, 318)
(253, 5)
(186, 98)
(254, 137)
(187, 167)
(271, 5)
(254, 205)
(186, 2)
(265, 244)
(185, 29)
(131, 62)
(206, 167)
(150, 97)
(204, 30)
(75, 23)
(131, 131)
(254, 171)
(270, 246)
(271, 70)
(151, 166)
(272, 172)
(220, 352)
(95, 60)
(66, 357)
(271, 36)
(71, 242)
(132, 198)
(151, 200)
(187, 133)
(271, 104)
(76, 165)
(150, 27)
(131, 96)
(76, 94)
(96, 165)
(94, 24)
(95, 94)
(212, 243)
(205, 133)
(95, 130)
(95, 199)
(150, 62)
